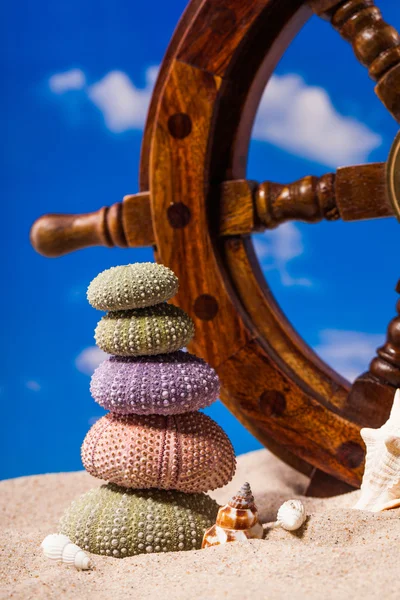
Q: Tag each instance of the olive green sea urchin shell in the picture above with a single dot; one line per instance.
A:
(132, 286)
(121, 522)
(144, 331)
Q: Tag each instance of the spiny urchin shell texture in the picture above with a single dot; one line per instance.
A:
(187, 452)
(132, 286)
(144, 331)
(165, 384)
(118, 522)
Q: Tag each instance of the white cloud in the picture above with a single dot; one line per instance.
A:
(33, 385)
(123, 105)
(302, 119)
(89, 359)
(348, 352)
(292, 115)
(74, 79)
(276, 248)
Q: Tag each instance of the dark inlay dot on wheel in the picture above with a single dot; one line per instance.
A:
(205, 307)
(272, 403)
(180, 125)
(178, 215)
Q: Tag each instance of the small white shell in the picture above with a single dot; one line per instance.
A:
(60, 548)
(291, 515)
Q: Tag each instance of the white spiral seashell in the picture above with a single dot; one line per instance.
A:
(380, 488)
(291, 515)
(60, 548)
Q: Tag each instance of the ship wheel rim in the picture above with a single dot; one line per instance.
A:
(336, 447)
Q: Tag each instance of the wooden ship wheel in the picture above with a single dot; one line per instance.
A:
(198, 211)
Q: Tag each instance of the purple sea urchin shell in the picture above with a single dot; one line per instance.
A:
(164, 384)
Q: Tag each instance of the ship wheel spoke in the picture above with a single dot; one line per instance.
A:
(375, 43)
(351, 194)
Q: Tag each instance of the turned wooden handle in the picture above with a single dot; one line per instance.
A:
(375, 43)
(124, 224)
(350, 194)
(55, 235)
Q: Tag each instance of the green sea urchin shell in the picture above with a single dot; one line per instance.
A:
(144, 331)
(132, 286)
(121, 522)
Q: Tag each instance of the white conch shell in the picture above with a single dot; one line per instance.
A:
(60, 548)
(237, 521)
(380, 488)
(291, 515)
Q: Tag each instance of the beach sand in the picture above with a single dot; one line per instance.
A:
(339, 553)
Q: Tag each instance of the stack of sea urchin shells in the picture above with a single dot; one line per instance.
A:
(156, 451)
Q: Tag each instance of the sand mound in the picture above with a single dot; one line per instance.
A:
(338, 554)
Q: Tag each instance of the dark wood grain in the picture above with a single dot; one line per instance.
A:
(228, 22)
(360, 22)
(310, 199)
(372, 393)
(55, 235)
(282, 343)
(137, 221)
(306, 428)
(376, 44)
(386, 366)
(178, 172)
(352, 194)
(174, 44)
(123, 224)
(361, 192)
(237, 209)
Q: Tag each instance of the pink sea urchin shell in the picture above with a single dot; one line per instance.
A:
(165, 384)
(187, 452)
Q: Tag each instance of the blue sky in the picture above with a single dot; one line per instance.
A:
(78, 77)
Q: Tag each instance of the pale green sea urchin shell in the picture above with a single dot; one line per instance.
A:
(144, 331)
(122, 522)
(132, 286)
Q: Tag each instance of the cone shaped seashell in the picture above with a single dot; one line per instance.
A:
(380, 488)
(121, 522)
(59, 547)
(187, 452)
(291, 515)
(237, 521)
